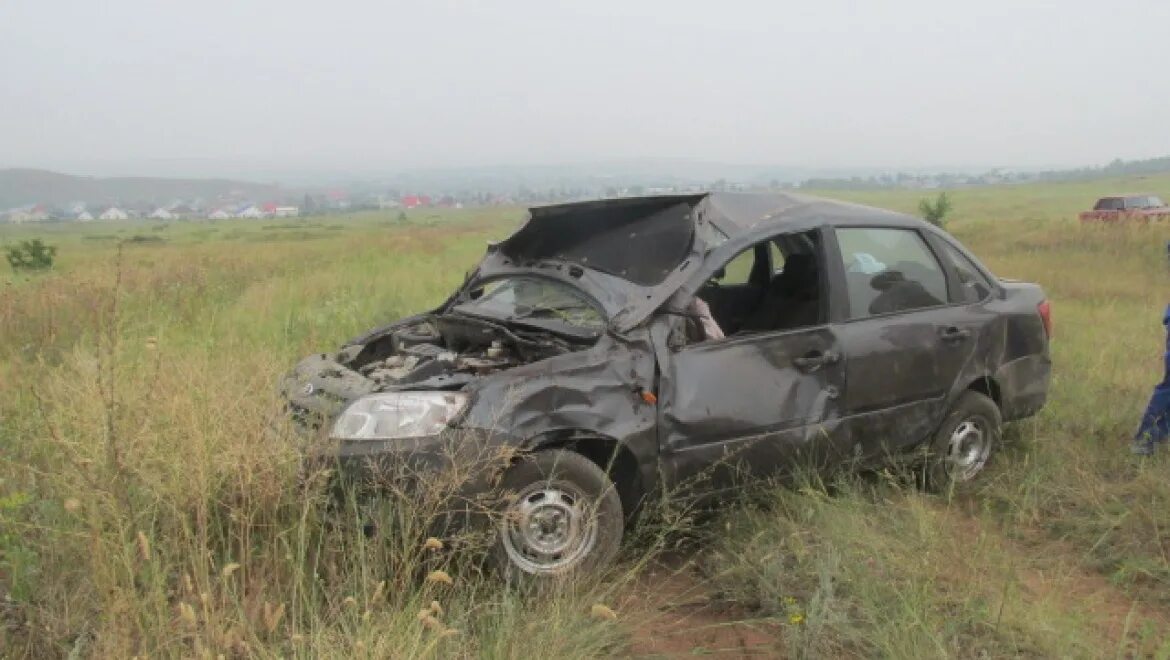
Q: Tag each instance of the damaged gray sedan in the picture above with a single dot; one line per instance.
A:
(621, 349)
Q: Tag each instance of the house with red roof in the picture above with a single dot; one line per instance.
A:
(415, 201)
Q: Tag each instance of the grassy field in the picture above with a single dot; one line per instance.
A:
(151, 506)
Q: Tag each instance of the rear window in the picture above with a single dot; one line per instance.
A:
(1109, 204)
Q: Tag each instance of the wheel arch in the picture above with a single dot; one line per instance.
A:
(988, 387)
(613, 456)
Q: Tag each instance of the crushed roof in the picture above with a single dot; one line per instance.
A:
(736, 213)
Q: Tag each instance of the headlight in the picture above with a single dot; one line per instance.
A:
(398, 415)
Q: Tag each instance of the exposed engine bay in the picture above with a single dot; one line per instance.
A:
(439, 352)
(450, 350)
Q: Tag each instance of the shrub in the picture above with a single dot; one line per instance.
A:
(139, 238)
(936, 213)
(30, 255)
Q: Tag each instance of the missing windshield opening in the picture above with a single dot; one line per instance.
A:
(639, 240)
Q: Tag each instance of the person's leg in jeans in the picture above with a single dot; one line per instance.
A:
(1155, 425)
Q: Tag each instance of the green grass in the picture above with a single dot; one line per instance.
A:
(151, 505)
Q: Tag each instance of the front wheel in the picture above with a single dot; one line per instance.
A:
(562, 515)
(964, 442)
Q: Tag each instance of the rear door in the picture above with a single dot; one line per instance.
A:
(904, 342)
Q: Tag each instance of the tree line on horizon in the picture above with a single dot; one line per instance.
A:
(1115, 168)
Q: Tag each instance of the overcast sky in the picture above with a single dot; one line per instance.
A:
(116, 84)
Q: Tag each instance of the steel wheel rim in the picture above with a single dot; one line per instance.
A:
(548, 528)
(968, 449)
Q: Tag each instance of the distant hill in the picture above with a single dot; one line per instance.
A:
(19, 187)
(1116, 169)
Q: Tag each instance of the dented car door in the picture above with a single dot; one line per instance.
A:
(905, 343)
(750, 406)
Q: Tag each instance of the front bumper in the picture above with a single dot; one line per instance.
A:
(458, 465)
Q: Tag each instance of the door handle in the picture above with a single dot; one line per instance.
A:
(813, 360)
(953, 333)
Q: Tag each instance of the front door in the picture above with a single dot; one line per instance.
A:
(765, 398)
(748, 407)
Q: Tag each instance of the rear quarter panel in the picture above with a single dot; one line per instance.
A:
(1023, 370)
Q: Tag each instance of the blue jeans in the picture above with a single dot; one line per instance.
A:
(1155, 425)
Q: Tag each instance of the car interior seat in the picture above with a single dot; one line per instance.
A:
(792, 299)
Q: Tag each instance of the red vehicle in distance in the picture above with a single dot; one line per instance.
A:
(1121, 208)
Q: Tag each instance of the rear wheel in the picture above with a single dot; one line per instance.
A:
(964, 442)
(563, 515)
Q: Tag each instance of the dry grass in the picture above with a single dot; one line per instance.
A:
(152, 505)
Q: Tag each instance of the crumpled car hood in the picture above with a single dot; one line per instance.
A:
(438, 351)
(319, 387)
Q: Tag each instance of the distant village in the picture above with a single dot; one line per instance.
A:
(222, 209)
(342, 201)
(237, 205)
(333, 202)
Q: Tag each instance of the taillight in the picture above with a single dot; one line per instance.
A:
(1045, 309)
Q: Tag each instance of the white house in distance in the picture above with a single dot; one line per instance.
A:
(162, 214)
(19, 216)
(250, 212)
(286, 212)
(84, 216)
(113, 213)
(218, 214)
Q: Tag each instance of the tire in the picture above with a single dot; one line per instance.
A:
(562, 515)
(964, 443)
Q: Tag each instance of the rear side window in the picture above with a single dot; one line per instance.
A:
(1143, 202)
(889, 270)
(973, 284)
(1109, 204)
